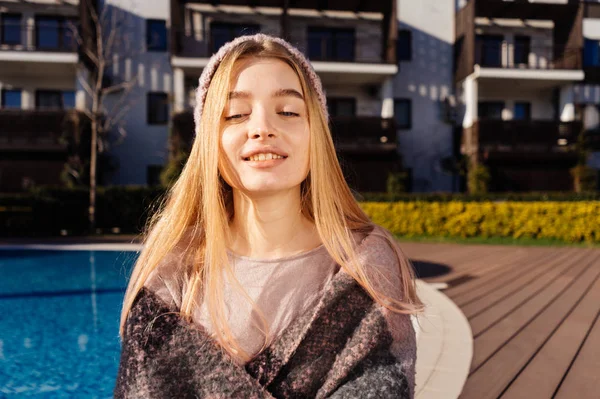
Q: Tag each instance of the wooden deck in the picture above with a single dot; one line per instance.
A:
(534, 313)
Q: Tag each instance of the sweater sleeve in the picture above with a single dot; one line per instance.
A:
(163, 356)
(388, 372)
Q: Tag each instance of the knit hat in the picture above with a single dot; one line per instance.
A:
(215, 61)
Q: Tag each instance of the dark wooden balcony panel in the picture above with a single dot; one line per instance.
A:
(524, 9)
(39, 130)
(526, 136)
(363, 134)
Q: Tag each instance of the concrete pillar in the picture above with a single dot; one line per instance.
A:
(591, 117)
(566, 106)
(179, 90)
(28, 34)
(81, 95)
(471, 98)
(508, 50)
(28, 98)
(387, 99)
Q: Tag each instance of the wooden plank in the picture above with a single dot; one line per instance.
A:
(499, 310)
(499, 269)
(498, 281)
(496, 373)
(493, 339)
(583, 379)
(543, 375)
(529, 281)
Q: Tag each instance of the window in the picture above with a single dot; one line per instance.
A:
(331, 44)
(54, 99)
(404, 45)
(68, 98)
(48, 99)
(522, 50)
(522, 111)
(156, 35)
(341, 106)
(490, 109)
(54, 33)
(489, 50)
(221, 33)
(591, 53)
(11, 28)
(157, 108)
(403, 113)
(11, 98)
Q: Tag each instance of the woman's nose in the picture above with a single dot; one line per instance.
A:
(260, 126)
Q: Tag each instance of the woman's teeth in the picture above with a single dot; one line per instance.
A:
(264, 157)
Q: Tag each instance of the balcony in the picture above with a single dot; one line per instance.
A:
(499, 60)
(47, 49)
(46, 131)
(500, 139)
(362, 52)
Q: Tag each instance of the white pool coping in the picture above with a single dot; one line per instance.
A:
(444, 346)
(75, 247)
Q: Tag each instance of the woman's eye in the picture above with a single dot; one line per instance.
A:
(236, 116)
(287, 113)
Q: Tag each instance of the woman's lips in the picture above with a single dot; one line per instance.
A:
(265, 164)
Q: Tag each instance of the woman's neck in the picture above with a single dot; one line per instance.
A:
(270, 226)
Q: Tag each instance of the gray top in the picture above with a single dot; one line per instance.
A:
(282, 288)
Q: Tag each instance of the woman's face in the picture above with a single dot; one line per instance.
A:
(265, 134)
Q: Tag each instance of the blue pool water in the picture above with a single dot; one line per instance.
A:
(59, 318)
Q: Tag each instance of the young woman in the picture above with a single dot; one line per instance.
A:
(261, 276)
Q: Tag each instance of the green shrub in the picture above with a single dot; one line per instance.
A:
(565, 221)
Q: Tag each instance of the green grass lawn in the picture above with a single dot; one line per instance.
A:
(498, 241)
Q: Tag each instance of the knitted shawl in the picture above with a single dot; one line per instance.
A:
(347, 346)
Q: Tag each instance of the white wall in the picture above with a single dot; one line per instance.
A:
(426, 80)
(144, 144)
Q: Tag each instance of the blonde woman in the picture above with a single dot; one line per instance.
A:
(261, 277)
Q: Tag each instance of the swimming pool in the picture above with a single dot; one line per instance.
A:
(59, 317)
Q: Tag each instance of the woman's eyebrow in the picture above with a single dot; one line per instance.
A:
(279, 93)
(288, 93)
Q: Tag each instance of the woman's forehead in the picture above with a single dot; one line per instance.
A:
(256, 74)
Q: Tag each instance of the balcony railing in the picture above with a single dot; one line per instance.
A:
(363, 134)
(523, 56)
(39, 130)
(526, 136)
(44, 37)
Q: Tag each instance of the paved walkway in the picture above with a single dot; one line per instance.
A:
(534, 315)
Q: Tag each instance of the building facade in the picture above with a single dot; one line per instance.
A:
(410, 85)
(40, 100)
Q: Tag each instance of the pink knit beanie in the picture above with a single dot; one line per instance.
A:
(215, 61)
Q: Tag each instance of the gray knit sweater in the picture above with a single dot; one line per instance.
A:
(345, 346)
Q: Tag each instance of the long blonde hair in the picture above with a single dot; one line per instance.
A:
(199, 204)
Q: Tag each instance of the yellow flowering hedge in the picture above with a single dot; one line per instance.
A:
(566, 221)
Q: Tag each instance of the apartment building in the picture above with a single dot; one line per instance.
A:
(39, 93)
(519, 71)
(510, 84)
